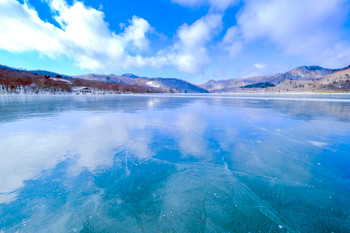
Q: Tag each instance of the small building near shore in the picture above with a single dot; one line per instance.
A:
(83, 90)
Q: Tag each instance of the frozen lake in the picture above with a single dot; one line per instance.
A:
(174, 163)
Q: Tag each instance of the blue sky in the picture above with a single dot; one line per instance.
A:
(196, 40)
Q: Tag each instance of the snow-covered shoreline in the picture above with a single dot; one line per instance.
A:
(105, 92)
(344, 97)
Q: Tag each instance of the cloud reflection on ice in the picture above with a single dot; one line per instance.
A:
(90, 139)
(150, 163)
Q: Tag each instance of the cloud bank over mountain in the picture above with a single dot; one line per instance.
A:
(312, 29)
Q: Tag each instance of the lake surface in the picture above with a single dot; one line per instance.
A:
(174, 163)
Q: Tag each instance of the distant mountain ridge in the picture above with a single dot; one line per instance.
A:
(41, 72)
(171, 85)
(49, 73)
(16, 81)
(300, 79)
(129, 75)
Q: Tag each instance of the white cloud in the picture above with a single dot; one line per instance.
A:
(216, 4)
(232, 41)
(189, 53)
(85, 37)
(93, 43)
(21, 29)
(136, 33)
(311, 29)
(259, 66)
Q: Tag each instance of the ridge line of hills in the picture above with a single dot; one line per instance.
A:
(301, 79)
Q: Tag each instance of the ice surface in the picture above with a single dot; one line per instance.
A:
(166, 164)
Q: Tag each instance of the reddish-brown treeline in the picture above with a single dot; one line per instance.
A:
(13, 81)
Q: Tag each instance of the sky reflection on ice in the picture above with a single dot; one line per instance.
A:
(157, 163)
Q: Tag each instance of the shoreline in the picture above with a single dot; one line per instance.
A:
(331, 97)
(174, 94)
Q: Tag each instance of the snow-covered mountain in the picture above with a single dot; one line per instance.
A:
(300, 79)
(172, 85)
(303, 78)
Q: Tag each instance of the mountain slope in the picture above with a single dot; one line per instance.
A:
(36, 72)
(166, 84)
(13, 81)
(49, 73)
(338, 80)
(300, 79)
